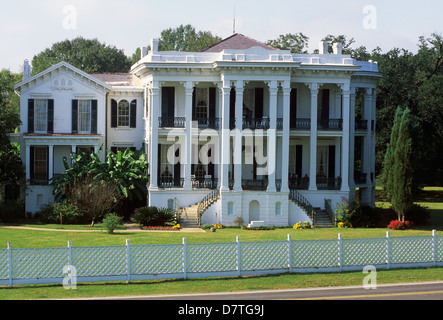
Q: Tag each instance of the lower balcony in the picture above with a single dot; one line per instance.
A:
(197, 183)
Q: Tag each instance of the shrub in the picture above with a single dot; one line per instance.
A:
(400, 225)
(61, 213)
(363, 217)
(343, 212)
(11, 211)
(111, 222)
(417, 214)
(153, 216)
(302, 225)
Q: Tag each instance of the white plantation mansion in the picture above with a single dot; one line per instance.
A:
(238, 130)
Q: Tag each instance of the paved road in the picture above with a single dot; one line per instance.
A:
(418, 291)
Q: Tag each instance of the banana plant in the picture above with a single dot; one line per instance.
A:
(127, 170)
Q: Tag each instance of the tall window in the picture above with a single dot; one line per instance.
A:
(322, 161)
(123, 114)
(84, 116)
(41, 115)
(40, 165)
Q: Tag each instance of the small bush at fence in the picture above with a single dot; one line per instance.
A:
(112, 222)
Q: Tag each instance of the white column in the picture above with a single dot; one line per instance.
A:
(51, 162)
(313, 139)
(272, 136)
(352, 139)
(285, 139)
(238, 174)
(153, 141)
(367, 154)
(188, 158)
(345, 138)
(225, 138)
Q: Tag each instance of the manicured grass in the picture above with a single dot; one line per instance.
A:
(55, 239)
(276, 282)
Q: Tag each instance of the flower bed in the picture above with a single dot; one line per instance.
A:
(400, 225)
(162, 228)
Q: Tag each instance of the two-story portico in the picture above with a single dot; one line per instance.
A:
(256, 123)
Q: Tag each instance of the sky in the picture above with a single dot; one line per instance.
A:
(28, 27)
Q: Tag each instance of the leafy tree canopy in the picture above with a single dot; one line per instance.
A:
(297, 42)
(91, 56)
(186, 38)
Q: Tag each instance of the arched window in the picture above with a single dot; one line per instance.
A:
(123, 114)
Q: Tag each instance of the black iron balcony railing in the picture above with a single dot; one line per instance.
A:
(330, 124)
(172, 122)
(328, 183)
(255, 184)
(300, 124)
(298, 183)
(204, 183)
(361, 125)
(360, 177)
(207, 123)
(170, 182)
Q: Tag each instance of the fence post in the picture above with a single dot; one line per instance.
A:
(290, 253)
(69, 253)
(185, 262)
(434, 246)
(388, 249)
(238, 256)
(340, 255)
(10, 264)
(128, 261)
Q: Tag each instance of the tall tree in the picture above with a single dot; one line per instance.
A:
(91, 56)
(297, 43)
(399, 165)
(186, 38)
(11, 168)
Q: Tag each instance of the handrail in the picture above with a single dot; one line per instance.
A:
(304, 203)
(206, 203)
(329, 211)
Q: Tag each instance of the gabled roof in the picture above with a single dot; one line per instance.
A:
(237, 42)
(59, 65)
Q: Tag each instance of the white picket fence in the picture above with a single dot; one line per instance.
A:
(174, 261)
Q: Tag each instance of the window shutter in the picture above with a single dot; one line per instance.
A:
(93, 116)
(51, 116)
(212, 103)
(113, 113)
(133, 113)
(31, 116)
(74, 116)
(31, 163)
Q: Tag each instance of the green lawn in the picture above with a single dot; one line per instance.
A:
(431, 198)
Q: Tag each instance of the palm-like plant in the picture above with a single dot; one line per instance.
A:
(127, 170)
